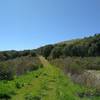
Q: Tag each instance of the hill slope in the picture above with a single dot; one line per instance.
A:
(86, 47)
(49, 83)
(36, 82)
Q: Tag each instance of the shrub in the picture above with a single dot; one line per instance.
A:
(77, 64)
(45, 51)
(33, 53)
(56, 52)
(18, 85)
(6, 71)
(5, 96)
(32, 97)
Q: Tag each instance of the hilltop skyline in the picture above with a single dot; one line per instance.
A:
(28, 24)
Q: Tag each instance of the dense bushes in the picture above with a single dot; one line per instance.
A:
(85, 47)
(17, 63)
(82, 48)
(6, 55)
(6, 71)
(77, 64)
(56, 52)
(75, 51)
(24, 61)
(45, 51)
(6, 90)
(9, 88)
(18, 66)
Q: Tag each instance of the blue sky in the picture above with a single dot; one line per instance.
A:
(26, 24)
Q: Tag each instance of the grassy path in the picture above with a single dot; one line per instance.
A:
(49, 84)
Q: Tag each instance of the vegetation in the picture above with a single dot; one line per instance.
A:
(45, 51)
(89, 46)
(51, 84)
(21, 65)
(77, 65)
(25, 75)
(80, 48)
(7, 55)
(74, 56)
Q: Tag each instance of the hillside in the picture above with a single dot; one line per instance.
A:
(86, 47)
(75, 57)
(67, 70)
(47, 83)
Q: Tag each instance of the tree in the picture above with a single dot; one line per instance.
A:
(33, 53)
(45, 51)
(56, 52)
(67, 51)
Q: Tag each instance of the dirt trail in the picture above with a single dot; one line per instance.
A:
(45, 86)
(44, 61)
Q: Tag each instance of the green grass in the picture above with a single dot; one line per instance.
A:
(47, 83)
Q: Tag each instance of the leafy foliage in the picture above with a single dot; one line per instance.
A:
(56, 52)
(45, 51)
(6, 71)
(77, 64)
(7, 55)
(89, 46)
(18, 66)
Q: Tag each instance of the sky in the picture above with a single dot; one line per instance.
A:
(28, 24)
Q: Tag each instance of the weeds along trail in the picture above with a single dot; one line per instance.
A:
(49, 83)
